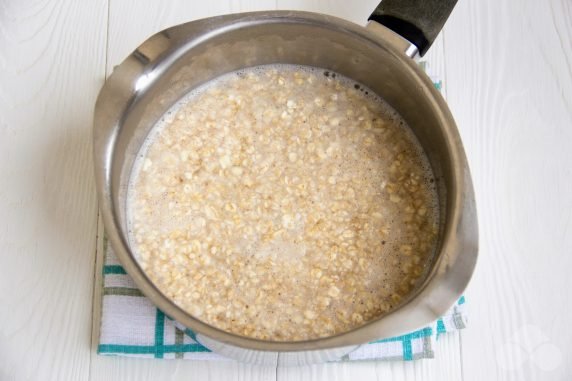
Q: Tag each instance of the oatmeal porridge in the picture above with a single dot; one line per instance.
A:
(283, 203)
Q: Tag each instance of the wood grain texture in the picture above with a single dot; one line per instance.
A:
(507, 69)
(123, 368)
(52, 56)
(131, 22)
(509, 83)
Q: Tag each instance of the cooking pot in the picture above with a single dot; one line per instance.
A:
(382, 56)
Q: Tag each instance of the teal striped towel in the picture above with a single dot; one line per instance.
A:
(132, 326)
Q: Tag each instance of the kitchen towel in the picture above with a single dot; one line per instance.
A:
(132, 326)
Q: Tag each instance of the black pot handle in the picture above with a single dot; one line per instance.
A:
(418, 21)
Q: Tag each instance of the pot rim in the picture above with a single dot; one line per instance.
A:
(453, 267)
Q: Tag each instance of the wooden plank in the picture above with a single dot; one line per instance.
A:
(52, 60)
(509, 82)
(330, 372)
(123, 368)
(131, 22)
(356, 11)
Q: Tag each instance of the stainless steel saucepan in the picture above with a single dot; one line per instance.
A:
(382, 56)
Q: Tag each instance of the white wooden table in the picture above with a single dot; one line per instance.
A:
(507, 70)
